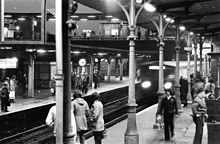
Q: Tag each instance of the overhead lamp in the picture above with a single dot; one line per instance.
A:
(91, 16)
(168, 19)
(108, 16)
(191, 33)
(17, 28)
(182, 28)
(8, 16)
(83, 19)
(172, 21)
(139, 1)
(21, 19)
(115, 19)
(74, 16)
(52, 19)
(149, 7)
(41, 51)
(118, 55)
(76, 52)
(96, 60)
(39, 16)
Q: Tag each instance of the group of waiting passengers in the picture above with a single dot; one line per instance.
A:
(82, 118)
(81, 81)
(201, 91)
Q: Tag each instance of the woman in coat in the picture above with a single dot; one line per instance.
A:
(80, 110)
(97, 120)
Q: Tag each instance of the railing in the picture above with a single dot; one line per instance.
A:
(51, 38)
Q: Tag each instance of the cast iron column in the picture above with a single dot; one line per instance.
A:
(161, 48)
(189, 49)
(109, 70)
(131, 135)
(195, 57)
(200, 54)
(91, 71)
(32, 57)
(177, 80)
(121, 68)
(59, 72)
(43, 20)
(68, 134)
(2, 10)
(161, 72)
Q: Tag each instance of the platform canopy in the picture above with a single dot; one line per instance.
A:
(198, 16)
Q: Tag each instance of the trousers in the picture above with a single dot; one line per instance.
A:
(199, 122)
(168, 125)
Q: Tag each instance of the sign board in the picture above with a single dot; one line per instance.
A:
(82, 62)
(187, 48)
(8, 63)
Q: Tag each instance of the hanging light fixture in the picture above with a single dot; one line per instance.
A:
(149, 7)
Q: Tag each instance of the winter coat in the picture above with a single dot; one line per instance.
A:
(97, 121)
(80, 109)
(51, 120)
(199, 105)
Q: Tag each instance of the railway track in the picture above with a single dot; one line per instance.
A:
(115, 112)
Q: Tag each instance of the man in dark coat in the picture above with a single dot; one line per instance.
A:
(183, 90)
(4, 98)
(168, 108)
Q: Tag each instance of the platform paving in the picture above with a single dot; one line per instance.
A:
(184, 129)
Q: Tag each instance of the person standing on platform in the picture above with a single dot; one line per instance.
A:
(4, 98)
(168, 108)
(6, 82)
(199, 111)
(183, 90)
(146, 33)
(52, 86)
(96, 79)
(97, 120)
(210, 87)
(81, 111)
(84, 83)
(51, 120)
(139, 74)
(12, 88)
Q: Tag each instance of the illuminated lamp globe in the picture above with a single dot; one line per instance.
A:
(146, 84)
(168, 85)
(149, 7)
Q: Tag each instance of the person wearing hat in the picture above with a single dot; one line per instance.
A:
(97, 120)
(168, 108)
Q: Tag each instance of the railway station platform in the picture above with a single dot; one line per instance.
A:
(43, 96)
(184, 129)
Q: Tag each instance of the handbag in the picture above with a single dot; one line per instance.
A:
(104, 134)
